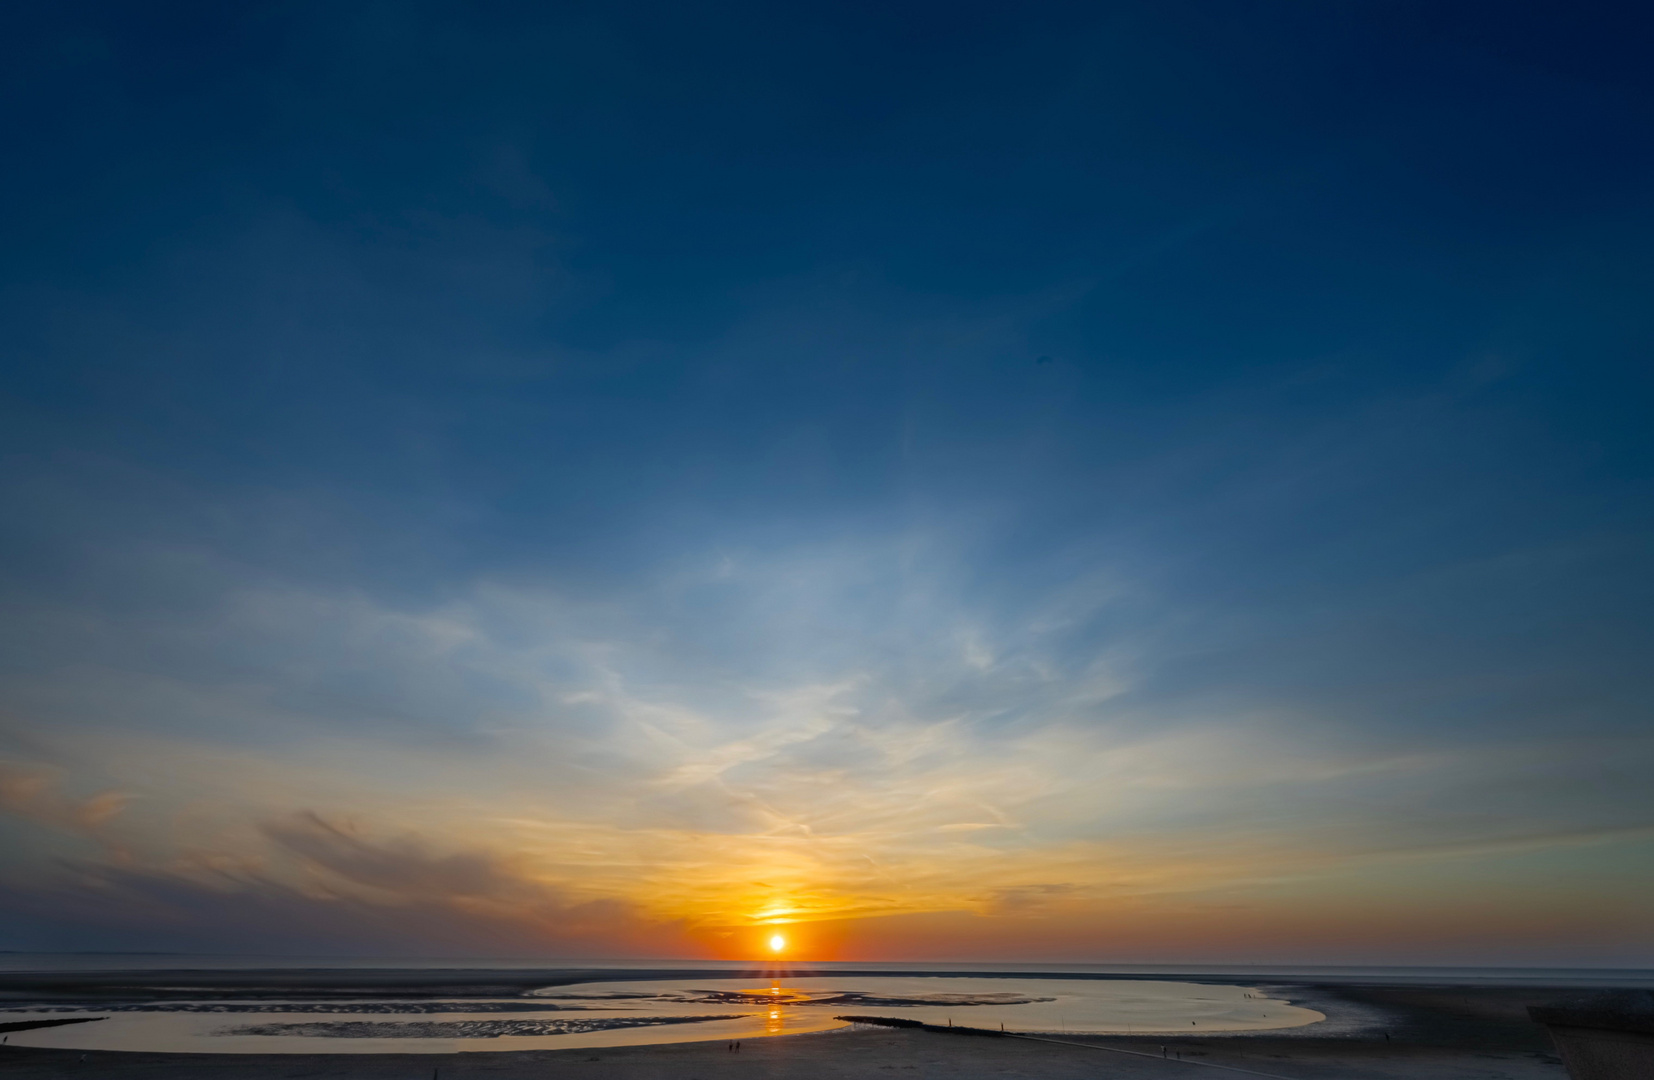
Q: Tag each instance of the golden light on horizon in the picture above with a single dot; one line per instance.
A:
(777, 943)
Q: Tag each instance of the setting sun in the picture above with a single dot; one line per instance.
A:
(777, 943)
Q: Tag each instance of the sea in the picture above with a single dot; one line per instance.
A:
(1584, 977)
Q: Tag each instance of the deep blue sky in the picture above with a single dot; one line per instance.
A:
(1262, 385)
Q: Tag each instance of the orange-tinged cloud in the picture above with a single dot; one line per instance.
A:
(679, 834)
(32, 793)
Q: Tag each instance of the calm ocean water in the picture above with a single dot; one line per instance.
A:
(1492, 976)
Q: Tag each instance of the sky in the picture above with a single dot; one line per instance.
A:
(1122, 482)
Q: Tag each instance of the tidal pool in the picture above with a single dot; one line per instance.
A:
(588, 1015)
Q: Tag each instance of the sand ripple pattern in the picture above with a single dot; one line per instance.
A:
(359, 1007)
(792, 997)
(460, 1029)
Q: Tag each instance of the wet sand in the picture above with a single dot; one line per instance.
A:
(1434, 1033)
(852, 1055)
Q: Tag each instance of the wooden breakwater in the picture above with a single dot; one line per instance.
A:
(900, 1022)
(953, 1029)
(28, 1025)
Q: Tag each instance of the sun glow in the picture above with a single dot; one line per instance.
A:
(777, 943)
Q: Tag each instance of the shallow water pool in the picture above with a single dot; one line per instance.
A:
(589, 1015)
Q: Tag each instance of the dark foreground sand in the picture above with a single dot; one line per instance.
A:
(1434, 1033)
(833, 1056)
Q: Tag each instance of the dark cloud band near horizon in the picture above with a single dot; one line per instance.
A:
(1129, 482)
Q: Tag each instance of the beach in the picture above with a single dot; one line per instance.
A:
(1372, 1032)
(852, 1055)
